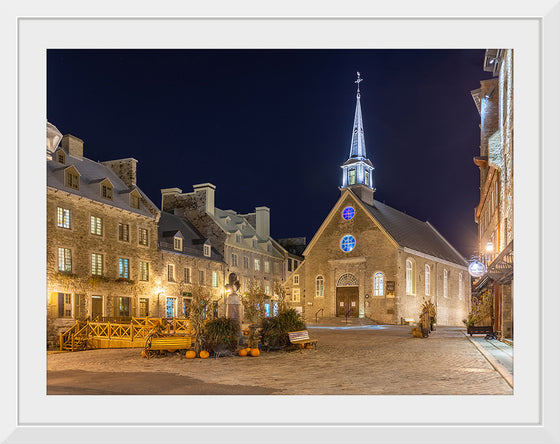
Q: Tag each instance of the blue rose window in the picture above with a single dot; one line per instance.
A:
(347, 243)
(348, 213)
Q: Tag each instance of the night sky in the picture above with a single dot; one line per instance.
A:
(272, 127)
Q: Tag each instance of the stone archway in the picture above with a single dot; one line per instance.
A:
(347, 296)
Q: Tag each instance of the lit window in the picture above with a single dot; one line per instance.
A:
(144, 271)
(63, 217)
(378, 284)
(64, 260)
(351, 177)
(295, 295)
(257, 265)
(96, 264)
(214, 279)
(178, 244)
(207, 250)
(171, 272)
(409, 277)
(143, 236)
(267, 289)
(124, 268)
(427, 279)
(134, 201)
(366, 177)
(72, 180)
(96, 225)
(188, 275)
(233, 260)
(320, 287)
(296, 279)
(460, 285)
(347, 243)
(123, 232)
(348, 213)
(445, 282)
(107, 192)
(266, 267)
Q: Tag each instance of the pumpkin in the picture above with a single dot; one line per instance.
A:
(242, 352)
(248, 350)
(308, 346)
(204, 354)
(255, 352)
(171, 351)
(190, 354)
(143, 353)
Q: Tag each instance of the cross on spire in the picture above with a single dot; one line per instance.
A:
(358, 82)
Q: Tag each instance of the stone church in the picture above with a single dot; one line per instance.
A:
(370, 260)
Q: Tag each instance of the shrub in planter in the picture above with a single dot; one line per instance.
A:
(222, 331)
(275, 329)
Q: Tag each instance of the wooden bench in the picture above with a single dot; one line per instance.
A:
(167, 343)
(480, 330)
(301, 338)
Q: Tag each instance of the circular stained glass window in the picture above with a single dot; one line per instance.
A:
(348, 213)
(347, 243)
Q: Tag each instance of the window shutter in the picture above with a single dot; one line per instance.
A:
(76, 308)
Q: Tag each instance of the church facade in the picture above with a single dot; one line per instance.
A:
(370, 260)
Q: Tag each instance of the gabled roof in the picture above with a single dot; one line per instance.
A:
(91, 175)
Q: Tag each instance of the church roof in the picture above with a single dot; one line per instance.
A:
(412, 233)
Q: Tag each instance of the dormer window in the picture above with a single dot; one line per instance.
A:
(238, 238)
(254, 243)
(135, 199)
(107, 190)
(207, 250)
(72, 178)
(61, 157)
(178, 243)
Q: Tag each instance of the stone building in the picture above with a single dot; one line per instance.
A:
(370, 260)
(243, 240)
(494, 212)
(101, 237)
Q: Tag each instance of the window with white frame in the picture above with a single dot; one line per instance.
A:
(410, 276)
(124, 269)
(296, 279)
(378, 284)
(214, 279)
(96, 225)
(233, 260)
(445, 283)
(171, 272)
(178, 243)
(187, 275)
(96, 264)
(63, 217)
(144, 271)
(65, 260)
(207, 250)
(427, 280)
(257, 265)
(267, 289)
(320, 287)
(295, 295)
(124, 231)
(266, 266)
(460, 285)
(143, 236)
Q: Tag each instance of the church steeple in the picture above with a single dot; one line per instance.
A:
(358, 170)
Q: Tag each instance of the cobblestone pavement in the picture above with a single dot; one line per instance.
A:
(368, 360)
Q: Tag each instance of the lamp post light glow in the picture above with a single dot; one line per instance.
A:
(490, 247)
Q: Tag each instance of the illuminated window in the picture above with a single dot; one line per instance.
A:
(178, 244)
(347, 243)
(207, 250)
(171, 272)
(144, 271)
(296, 279)
(348, 213)
(214, 279)
(96, 225)
(378, 284)
(351, 177)
(427, 279)
(445, 283)
(460, 285)
(143, 236)
(257, 265)
(366, 177)
(96, 264)
(410, 287)
(266, 266)
(63, 217)
(124, 268)
(295, 295)
(123, 232)
(64, 260)
(267, 289)
(320, 287)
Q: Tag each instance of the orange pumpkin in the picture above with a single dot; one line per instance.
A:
(242, 352)
(143, 353)
(255, 352)
(308, 346)
(171, 351)
(204, 354)
(248, 350)
(190, 354)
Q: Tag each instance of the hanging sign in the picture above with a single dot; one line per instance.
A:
(477, 269)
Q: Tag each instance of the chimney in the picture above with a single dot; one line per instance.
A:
(73, 145)
(168, 204)
(125, 169)
(263, 222)
(207, 191)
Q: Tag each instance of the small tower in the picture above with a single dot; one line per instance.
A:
(358, 170)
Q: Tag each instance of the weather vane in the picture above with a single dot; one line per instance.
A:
(358, 82)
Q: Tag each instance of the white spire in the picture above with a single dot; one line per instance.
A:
(358, 144)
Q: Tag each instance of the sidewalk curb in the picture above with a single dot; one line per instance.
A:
(504, 372)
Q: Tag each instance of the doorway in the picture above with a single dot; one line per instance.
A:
(347, 302)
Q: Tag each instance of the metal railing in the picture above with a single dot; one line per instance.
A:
(321, 310)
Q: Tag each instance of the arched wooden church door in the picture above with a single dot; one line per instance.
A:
(347, 296)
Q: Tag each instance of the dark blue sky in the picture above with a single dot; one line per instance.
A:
(272, 127)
